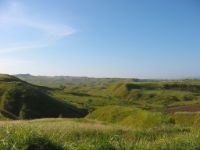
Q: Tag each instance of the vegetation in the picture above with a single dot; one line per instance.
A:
(83, 134)
(25, 101)
(62, 81)
(132, 117)
(118, 114)
(153, 96)
(187, 119)
(146, 94)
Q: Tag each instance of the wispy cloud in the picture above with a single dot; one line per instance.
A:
(22, 47)
(11, 62)
(14, 15)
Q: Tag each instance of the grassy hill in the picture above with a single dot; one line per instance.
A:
(132, 117)
(147, 94)
(59, 81)
(140, 119)
(163, 93)
(123, 115)
(19, 99)
(155, 96)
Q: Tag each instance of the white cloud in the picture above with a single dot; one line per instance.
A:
(14, 15)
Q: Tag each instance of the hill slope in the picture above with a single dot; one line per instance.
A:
(151, 95)
(131, 117)
(26, 101)
(166, 93)
(57, 81)
(140, 119)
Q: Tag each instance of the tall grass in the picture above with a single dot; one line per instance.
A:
(188, 119)
(83, 134)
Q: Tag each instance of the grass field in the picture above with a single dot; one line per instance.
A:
(84, 134)
(107, 128)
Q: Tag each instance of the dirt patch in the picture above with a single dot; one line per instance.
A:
(187, 108)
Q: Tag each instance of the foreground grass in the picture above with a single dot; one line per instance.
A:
(83, 134)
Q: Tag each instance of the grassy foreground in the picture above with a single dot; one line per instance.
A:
(85, 134)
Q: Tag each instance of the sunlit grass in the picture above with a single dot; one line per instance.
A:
(84, 134)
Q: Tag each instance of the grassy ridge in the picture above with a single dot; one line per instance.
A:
(118, 118)
(148, 95)
(153, 95)
(163, 92)
(25, 101)
(57, 81)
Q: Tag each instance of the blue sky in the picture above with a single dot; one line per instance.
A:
(101, 38)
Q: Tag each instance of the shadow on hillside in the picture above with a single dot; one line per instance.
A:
(28, 102)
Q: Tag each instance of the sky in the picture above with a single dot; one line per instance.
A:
(101, 38)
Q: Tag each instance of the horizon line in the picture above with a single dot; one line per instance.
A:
(106, 77)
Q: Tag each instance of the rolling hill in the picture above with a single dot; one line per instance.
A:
(136, 118)
(165, 92)
(28, 99)
(19, 99)
(152, 95)
(123, 115)
(59, 81)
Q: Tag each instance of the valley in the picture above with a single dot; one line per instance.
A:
(118, 115)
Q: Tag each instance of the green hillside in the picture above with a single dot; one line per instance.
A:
(19, 99)
(151, 95)
(148, 94)
(154, 96)
(59, 81)
(132, 117)
(123, 115)
(140, 119)
(166, 93)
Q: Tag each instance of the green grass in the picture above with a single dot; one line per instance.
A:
(60, 81)
(132, 117)
(146, 95)
(123, 115)
(187, 119)
(8, 78)
(26, 101)
(83, 134)
(2, 117)
(92, 93)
